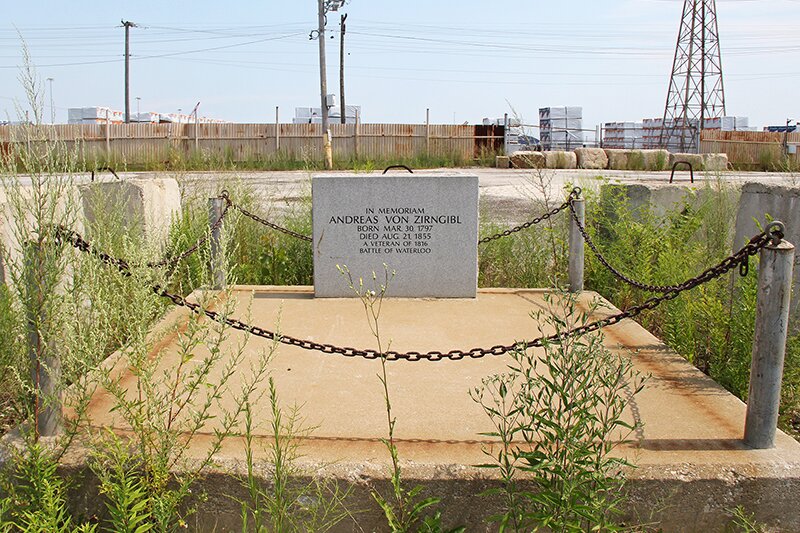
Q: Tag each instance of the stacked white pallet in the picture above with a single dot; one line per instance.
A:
(146, 117)
(313, 115)
(94, 115)
(547, 113)
(561, 127)
(727, 123)
(651, 132)
(623, 135)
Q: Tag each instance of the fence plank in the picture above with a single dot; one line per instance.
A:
(753, 150)
(137, 144)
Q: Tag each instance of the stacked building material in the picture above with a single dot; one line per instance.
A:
(561, 128)
(623, 135)
(313, 115)
(726, 123)
(101, 115)
(94, 115)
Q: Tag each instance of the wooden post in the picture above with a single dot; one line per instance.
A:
(357, 126)
(45, 367)
(576, 257)
(428, 131)
(769, 344)
(277, 131)
(328, 149)
(196, 132)
(108, 138)
(215, 208)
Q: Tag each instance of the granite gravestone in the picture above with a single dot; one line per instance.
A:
(422, 226)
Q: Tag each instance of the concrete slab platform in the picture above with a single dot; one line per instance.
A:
(692, 468)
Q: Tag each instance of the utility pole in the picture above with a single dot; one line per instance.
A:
(323, 7)
(343, 29)
(127, 25)
(323, 77)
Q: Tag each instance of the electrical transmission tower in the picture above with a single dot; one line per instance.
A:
(696, 92)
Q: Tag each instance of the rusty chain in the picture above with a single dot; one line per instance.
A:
(484, 240)
(744, 264)
(265, 222)
(572, 196)
(772, 235)
(170, 261)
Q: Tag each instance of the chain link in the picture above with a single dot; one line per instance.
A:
(771, 236)
(572, 196)
(265, 222)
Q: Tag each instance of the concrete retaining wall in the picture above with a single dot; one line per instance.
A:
(659, 199)
(759, 205)
(143, 206)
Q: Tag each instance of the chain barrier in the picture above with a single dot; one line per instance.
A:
(260, 220)
(572, 196)
(170, 261)
(614, 271)
(230, 204)
(772, 235)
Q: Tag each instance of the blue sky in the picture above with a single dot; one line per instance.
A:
(464, 60)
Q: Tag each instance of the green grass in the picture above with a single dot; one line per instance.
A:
(174, 160)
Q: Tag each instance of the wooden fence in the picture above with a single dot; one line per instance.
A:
(752, 150)
(146, 143)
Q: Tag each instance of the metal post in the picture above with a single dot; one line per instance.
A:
(215, 208)
(45, 367)
(769, 344)
(576, 262)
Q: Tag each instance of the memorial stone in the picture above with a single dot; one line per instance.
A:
(422, 226)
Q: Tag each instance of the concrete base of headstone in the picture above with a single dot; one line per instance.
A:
(526, 159)
(691, 467)
(423, 227)
(696, 160)
(562, 160)
(502, 161)
(143, 206)
(759, 205)
(591, 158)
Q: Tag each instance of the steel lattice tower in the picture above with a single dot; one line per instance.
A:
(696, 92)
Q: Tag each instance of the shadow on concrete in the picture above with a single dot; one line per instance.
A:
(677, 445)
